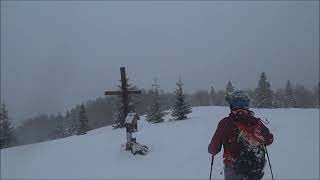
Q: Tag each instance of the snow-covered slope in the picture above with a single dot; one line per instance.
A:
(178, 150)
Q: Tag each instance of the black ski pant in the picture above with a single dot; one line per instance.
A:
(230, 174)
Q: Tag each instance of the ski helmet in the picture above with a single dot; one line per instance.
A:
(238, 99)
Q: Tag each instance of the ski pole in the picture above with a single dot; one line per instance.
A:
(269, 161)
(211, 166)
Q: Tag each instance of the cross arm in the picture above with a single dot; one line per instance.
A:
(112, 93)
(120, 92)
(134, 91)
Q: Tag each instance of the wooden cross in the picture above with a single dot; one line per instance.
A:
(124, 93)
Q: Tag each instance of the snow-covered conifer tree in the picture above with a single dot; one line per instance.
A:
(74, 115)
(59, 131)
(289, 96)
(263, 93)
(229, 87)
(6, 130)
(83, 121)
(180, 108)
(155, 114)
(213, 96)
(118, 112)
(317, 95)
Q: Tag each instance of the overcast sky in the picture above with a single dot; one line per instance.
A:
(57, 54)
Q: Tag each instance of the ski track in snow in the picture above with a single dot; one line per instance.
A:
(178, 150)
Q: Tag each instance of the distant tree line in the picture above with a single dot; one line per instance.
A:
(154, 103)
(290, 96)
(45, 127)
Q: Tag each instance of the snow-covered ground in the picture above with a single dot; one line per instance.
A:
(178, 150)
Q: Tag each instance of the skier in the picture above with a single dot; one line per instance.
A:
(244, 138)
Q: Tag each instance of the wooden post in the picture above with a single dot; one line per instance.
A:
(124, 86)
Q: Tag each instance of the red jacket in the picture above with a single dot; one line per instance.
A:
(227, 134)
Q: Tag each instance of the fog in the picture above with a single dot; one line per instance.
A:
(57, 54)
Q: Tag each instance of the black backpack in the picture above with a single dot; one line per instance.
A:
(251, 157)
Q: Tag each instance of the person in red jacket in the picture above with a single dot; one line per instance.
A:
(240, 126)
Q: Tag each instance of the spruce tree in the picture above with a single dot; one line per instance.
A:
(59, 131)
(118, 112)
(229, 89)
(155, 113)
(279, 98)
(220, 98)
(6, 130)
(180, 108)
(83, 121)
(263, 93)
(74, 115)
(289, 99)
(304, 97)
(317, 95)
(213, 97)
(66, 128)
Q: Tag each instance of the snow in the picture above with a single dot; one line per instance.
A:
(130, 117)
(178, 150)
